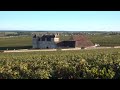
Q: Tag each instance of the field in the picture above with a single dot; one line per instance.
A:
(15, 42)
(105, 40)
(25, 42)
(82, 64)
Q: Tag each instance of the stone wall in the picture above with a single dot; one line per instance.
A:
(43, 44)
(35, 43)
(46, 44)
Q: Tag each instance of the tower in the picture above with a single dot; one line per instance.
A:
(35, 41)
(56, 38)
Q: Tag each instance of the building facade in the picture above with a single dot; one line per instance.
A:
(45, 41)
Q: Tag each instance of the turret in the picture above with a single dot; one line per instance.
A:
(56, 39)
(35, 41)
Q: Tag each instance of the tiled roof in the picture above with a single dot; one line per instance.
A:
(82, 41)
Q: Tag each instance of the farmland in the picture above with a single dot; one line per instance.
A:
(102, 63)
(25, 42)
(15, 42)
(105, 40)
(82, 64)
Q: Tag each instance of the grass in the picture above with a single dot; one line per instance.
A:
(15, 43)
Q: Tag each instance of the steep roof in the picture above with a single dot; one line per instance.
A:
(48, 36)
(82, 41)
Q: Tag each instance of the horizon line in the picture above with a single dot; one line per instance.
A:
(60, 30)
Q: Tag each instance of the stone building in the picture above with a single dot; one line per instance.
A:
(45, 41)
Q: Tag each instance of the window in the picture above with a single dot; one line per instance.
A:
(48, 39)
(38, 39)
(43, 39)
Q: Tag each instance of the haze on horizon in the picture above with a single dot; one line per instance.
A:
(60, 20)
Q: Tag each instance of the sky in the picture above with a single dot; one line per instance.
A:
(60, 20)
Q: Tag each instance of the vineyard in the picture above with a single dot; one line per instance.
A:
(105, 40)
(82, 64)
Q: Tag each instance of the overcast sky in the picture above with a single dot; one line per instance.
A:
(60, 20)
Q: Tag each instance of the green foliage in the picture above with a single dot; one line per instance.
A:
(84, 64)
